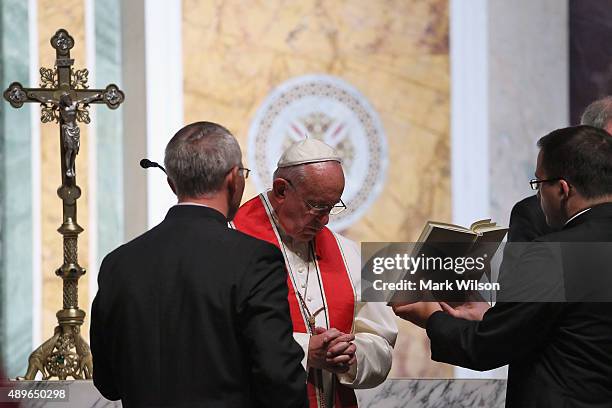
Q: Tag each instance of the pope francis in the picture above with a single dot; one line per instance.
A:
(347, 343)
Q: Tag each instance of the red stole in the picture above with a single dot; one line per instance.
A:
(253, 218)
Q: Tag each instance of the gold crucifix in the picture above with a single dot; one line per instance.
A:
(64, 97)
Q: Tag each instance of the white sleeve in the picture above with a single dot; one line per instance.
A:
(375, 330)
(303, 339)
(375, 333)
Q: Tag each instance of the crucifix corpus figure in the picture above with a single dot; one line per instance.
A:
(70, 132)
(64, 97)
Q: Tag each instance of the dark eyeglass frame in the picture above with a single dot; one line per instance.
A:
(243, 169)
(535, 183)
(317, 210)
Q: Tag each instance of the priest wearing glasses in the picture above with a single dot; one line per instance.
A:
(347, 343)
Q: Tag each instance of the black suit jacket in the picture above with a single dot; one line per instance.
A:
(194, 314)
(527, 221)
(559, 354)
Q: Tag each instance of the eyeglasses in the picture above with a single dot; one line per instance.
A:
(320, 209)
(535, 183)
(244, 171)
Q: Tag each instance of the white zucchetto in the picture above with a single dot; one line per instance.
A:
(306, 151)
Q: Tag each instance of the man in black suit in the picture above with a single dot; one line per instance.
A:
(192, 313)
(559, 354)
(527, 219)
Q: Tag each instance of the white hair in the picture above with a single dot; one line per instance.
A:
(598, 114)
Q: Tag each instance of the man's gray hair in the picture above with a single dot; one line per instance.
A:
(295, 174)
(598, 114)
(198, 158)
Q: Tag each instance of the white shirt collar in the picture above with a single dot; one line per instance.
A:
(190, 203)
(576, 215)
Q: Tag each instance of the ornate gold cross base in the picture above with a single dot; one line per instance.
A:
(56, 358)
(66, 354)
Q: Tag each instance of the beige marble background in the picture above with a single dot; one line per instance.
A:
(52, 15)
(235, 52)
(395, 52)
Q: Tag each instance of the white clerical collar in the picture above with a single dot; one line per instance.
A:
(191, 203)
(576, 215)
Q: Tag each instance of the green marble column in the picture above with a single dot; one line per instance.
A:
(15, 194)
(109, 130)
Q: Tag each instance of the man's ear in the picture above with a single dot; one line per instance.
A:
(279, 188)
(565, 189)
(171, 184)
(231, 179)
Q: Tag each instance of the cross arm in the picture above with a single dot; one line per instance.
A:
(112, 96)
(17, 95)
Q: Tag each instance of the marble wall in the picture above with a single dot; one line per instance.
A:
(394, 53)
(234, 53)
(16, 231)
(528, 92)
(109, 132)
(517, 53)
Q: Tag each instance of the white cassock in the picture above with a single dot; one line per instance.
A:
(373, 323)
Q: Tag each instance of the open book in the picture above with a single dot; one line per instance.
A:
(451, 245)
(479, 232)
